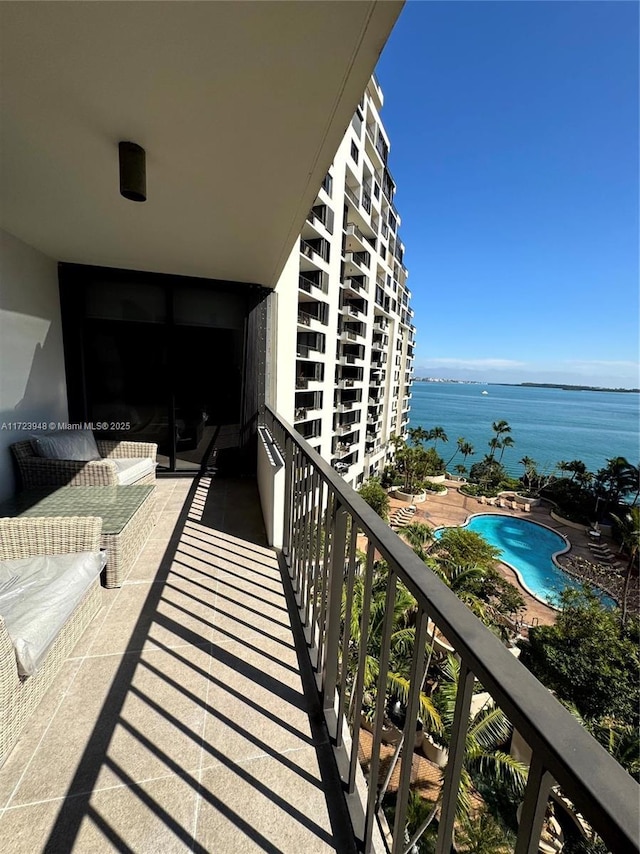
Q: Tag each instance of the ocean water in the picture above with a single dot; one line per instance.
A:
(547, 424)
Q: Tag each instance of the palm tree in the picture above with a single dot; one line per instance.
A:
(636, 474)
(507, 442)
(576, 467)
(494, 444)
(460, 442)
(418, 435)
(564, 466)
(418, 536)
(629, 527)
(619, 478)
(500, 428)
(529, 470)
(467, 450)
(437, 434)
(457, 577)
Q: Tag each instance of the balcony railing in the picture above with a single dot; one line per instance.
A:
(325, 523)
(362, 260)
(309, 250)
(306, 284)
(352, 195)
(356, 283)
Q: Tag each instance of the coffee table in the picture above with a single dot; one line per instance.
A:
(127, 513)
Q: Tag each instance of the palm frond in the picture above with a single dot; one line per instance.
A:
(400, 686)
(490, 728)
(501, 767)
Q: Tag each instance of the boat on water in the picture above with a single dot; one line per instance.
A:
(485, 392)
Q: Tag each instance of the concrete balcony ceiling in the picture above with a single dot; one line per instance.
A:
(239, 106)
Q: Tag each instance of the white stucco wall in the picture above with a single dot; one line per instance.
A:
(283, 361)
(32, 378)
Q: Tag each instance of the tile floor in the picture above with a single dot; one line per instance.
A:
(181, 723)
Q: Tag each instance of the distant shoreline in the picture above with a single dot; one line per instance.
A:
(567, 387)
(561, 386)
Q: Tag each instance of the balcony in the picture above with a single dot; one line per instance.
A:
(309, 284)
(319, 215)
(346, 429)
(314, 254)
(348, 335)
(354, 240)
(356, 284)
(350, 310)
(380, 341)
(345, 359)
(353, 194)
(184, 719)
(312, 312)
(190, 718)
(341, 450)
(357, 262)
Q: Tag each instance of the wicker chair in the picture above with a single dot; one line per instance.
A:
(38, 471)
(19, 695)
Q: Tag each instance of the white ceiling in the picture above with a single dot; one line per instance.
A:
(239, 105)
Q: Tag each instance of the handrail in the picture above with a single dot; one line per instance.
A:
(592, 779)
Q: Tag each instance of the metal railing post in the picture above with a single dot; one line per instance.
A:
(456, 758)
(288, 499)
(334, 605)
(534, 807)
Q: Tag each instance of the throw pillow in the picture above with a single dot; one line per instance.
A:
(67, 445)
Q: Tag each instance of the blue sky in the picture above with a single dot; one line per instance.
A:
(514, 146)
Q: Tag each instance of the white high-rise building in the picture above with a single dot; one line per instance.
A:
(355, 338)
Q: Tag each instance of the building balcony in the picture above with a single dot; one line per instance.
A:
(354, 240)
(314, 254)
(341, 450)
(312, 314)
(380, 341)
(349, 310)
(348, 335)
(183, 720)
(347, 382)
(320, 215)
(355, 284)
(356, 263)
(308, 373)
(375, 146)
(205, 707)
(353, 194)
(350, 359)
(309, 284)
(346, 429)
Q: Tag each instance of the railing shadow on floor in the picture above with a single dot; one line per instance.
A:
(78, 806)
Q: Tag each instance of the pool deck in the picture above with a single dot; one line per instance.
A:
(454, 508)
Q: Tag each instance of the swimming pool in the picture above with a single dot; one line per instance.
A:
(528, 547)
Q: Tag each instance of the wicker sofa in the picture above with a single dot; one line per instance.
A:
(36, 471)
(19, 695)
